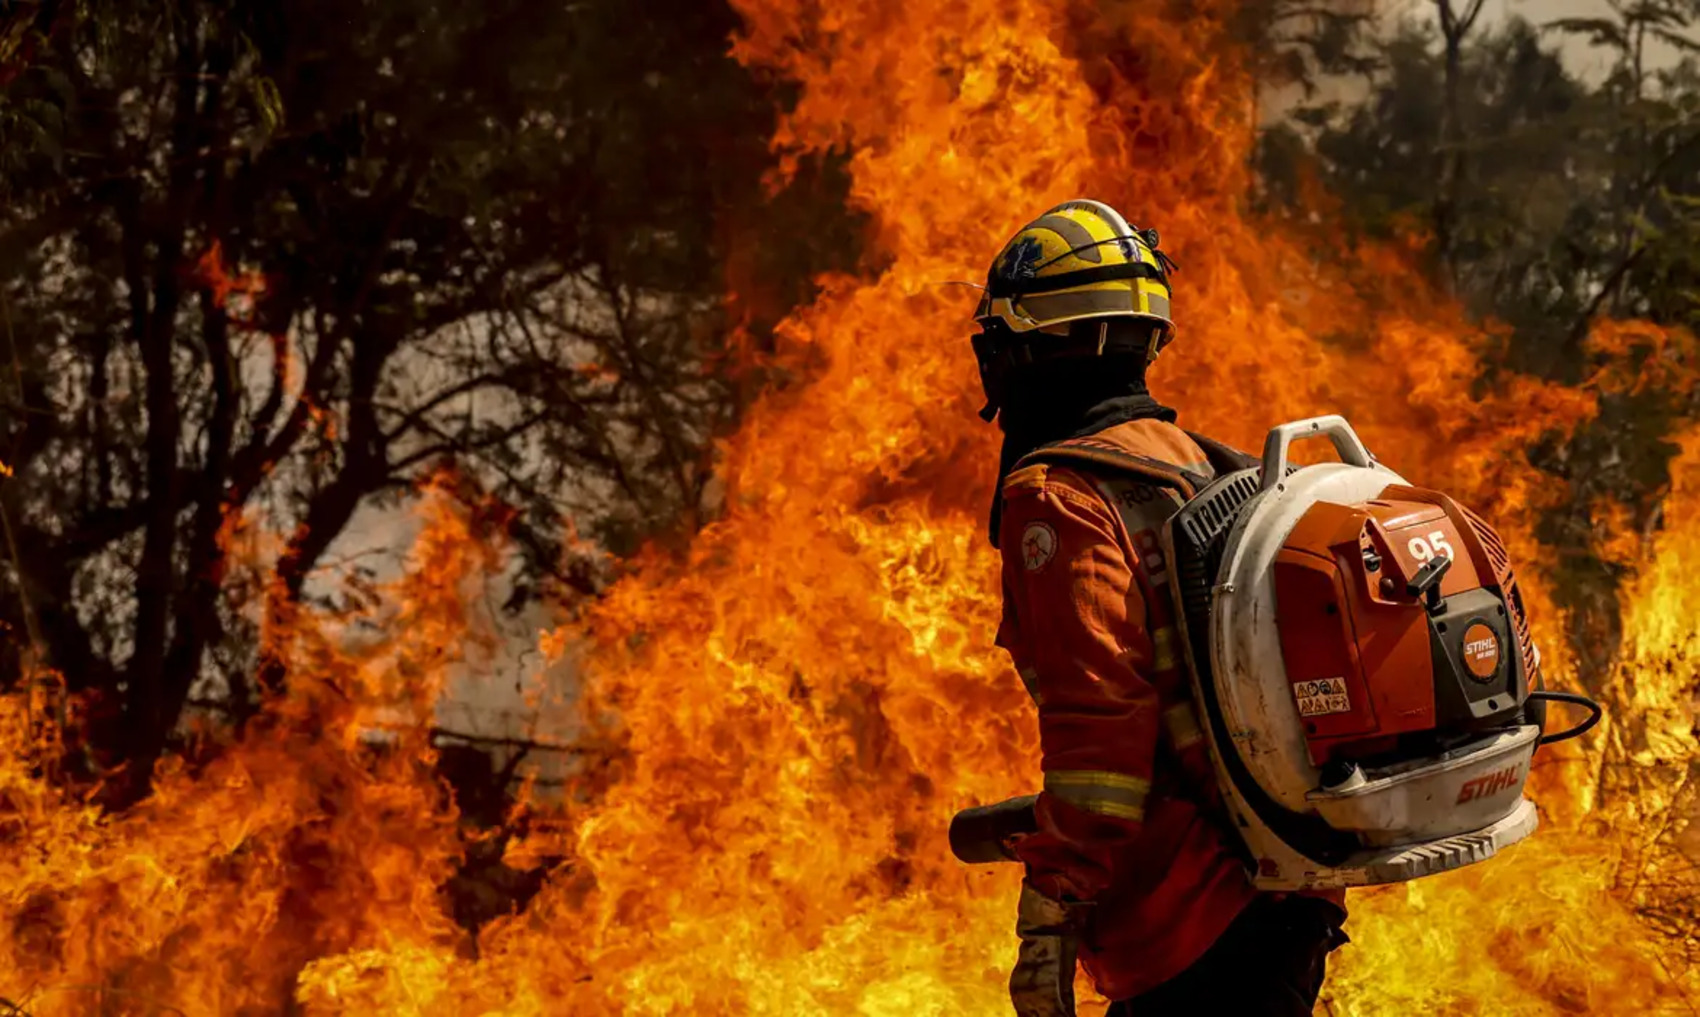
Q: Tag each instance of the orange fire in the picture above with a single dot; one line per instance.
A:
(807, 696)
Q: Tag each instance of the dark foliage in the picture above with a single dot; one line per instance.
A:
(284, 258)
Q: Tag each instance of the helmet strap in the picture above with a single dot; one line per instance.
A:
(992, 351)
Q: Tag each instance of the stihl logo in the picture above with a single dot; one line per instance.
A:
(1492, 784)
(1481, 652)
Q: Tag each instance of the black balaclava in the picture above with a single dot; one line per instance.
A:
(1070, 398)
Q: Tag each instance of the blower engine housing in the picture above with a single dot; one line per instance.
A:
(1360, 655)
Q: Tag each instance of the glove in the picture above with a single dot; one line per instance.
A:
(1042, 984)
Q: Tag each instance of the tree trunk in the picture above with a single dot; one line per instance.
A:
(1454, 27)
(147, 719)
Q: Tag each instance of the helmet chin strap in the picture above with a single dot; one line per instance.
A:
(1159, 339)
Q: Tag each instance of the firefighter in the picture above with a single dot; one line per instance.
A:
(1130, 868)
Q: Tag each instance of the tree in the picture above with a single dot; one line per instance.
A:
(1299, 43)
(297, 253)
(1656, 144)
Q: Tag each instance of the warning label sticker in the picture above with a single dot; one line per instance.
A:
(1325, 695)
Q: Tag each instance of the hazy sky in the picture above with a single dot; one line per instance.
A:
(1590, 62)
(1577, 53)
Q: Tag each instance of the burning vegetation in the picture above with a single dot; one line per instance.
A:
(779, 713)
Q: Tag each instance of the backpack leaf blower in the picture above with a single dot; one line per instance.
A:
(1359, 652)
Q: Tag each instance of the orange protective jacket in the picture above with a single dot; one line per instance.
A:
(1127, 816)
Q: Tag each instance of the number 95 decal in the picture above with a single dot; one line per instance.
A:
(1425, 548)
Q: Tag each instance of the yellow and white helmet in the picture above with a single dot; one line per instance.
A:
(1079, 260)
(1078, 280)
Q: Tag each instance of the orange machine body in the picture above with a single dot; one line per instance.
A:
(1360, 649)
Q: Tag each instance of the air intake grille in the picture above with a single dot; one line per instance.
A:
(1507, 581)
(1490, 541)
(1204, 526)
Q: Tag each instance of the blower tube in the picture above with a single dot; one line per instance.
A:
(986, 833)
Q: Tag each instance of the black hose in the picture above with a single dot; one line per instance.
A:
(1573, 699)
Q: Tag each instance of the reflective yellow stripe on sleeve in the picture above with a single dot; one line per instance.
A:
(1109, 794)
(1182, 724)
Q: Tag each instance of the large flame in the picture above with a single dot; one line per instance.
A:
(806, 698)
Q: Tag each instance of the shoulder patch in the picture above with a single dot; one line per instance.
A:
(1038, 545)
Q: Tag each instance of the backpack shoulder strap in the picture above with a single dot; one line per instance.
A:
(1224, 458)
(1100, 456)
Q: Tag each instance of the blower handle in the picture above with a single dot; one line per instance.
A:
(1573, 699)
(985, 833)
(1346, 443)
